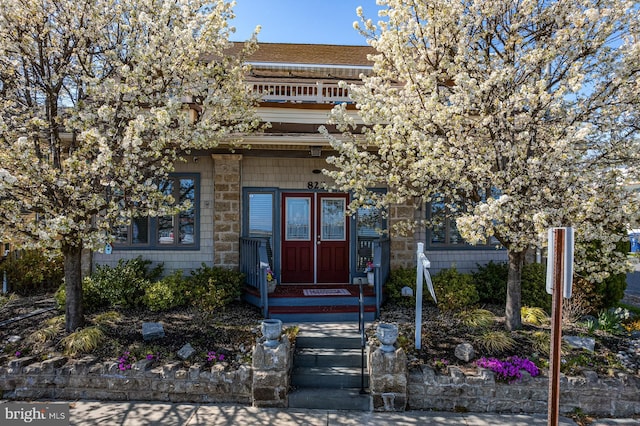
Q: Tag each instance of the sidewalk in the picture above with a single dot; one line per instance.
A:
(141, 413)
(154, 413)
(161, 414)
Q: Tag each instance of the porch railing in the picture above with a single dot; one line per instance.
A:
(381, 250)
(318, 92)
(254, 263)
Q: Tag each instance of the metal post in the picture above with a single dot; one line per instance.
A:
(556, 328)
(4, 283)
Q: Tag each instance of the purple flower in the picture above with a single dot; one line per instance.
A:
(18, 353)
(150, 357)
(509, 370)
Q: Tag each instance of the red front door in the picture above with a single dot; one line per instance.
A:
(315, 238)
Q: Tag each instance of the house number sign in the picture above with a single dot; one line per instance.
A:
(315, 185)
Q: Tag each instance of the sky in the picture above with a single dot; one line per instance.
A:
(301, 21)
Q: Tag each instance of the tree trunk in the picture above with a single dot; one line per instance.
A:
(514, 290)
(74, 318)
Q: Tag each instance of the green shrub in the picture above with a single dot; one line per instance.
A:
(490, 281)
(534, 286)
(214, 287)
(455, 291)
(170, 292)
(92, 298)
(123, 285)
(398, 279)
(606, 294)
(32, 272)
(120, 286)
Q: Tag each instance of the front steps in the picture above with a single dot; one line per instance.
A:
(327, 368)
(289, 304)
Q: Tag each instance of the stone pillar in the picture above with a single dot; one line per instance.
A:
(271, 374)
(226, 210)
(388, 380)
(403, 243)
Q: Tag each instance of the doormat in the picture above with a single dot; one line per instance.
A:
(326, 292)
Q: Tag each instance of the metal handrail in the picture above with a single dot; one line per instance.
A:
(363, 337)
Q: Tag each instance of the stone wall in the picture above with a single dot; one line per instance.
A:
(56, 378)
(266, 384)
(617, 396)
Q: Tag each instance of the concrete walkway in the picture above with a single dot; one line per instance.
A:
(89, 413)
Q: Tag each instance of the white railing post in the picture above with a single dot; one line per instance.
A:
(422, 272)
(419, 275)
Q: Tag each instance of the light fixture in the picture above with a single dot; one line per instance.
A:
(316, 151)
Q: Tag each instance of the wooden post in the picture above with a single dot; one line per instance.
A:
(556, 327)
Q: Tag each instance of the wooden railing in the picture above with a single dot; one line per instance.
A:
(318, 92)
(254, 263)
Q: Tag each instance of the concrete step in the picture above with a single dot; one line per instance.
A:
(328, 377)
(320, 314)
(328, 357)
(329, 336)
(333, 399)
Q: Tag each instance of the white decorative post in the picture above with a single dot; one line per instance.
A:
(422, 270)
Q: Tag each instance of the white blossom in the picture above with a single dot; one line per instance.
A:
(535, 100)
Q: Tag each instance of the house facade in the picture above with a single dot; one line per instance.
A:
(272, 188)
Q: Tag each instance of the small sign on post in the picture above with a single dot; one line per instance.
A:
(559, 282)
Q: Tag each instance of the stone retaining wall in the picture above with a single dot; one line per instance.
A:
(617, 396)
(25, 378)
(58, 378)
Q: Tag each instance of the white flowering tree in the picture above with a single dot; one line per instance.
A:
(519, 114)
(99, 100)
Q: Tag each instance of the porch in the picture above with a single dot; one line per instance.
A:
(302, 302)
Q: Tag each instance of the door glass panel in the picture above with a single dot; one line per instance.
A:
(333, 219)
(298, 218)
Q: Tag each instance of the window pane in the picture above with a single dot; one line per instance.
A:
(165, 230)
(260, 215)
(187, 217)
(165, 223)
(333, 219)
(368, 221)
(140, 230)
(438, 222)
(121, 234)
(298, 219)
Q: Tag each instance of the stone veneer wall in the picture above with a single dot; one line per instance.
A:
(226, 210)
(617, 396)
(25, 378)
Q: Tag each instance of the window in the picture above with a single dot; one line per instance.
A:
(443, 231)
(260, 214)
(179, 231)
(369, 226)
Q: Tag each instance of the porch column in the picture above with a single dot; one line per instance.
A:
(226, 210)
(402, 246)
